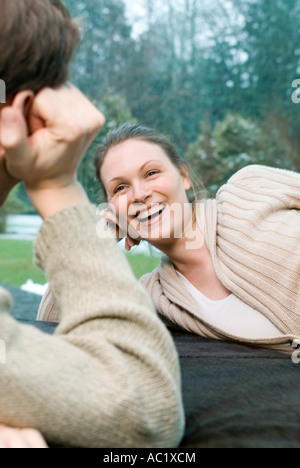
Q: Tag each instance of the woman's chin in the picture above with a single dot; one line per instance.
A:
(157, 240)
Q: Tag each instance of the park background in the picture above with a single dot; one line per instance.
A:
(216, 76)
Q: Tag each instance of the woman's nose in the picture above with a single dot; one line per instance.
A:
(140, 193)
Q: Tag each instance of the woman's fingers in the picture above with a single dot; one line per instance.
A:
(120, 232)
(129, 243)
(112, 222)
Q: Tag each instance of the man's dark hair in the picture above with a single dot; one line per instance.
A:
(37, 41)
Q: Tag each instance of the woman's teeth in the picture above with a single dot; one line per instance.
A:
(152, 213)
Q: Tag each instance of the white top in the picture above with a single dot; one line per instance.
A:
(232, 315)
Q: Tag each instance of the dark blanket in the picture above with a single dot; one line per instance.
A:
(234, 396)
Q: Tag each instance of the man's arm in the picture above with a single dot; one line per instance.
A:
(110, 376)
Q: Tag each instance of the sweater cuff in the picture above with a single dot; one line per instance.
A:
(66, 226)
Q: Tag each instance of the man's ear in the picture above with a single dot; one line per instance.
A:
(22, 101)
(185, 177)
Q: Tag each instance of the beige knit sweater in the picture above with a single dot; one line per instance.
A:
(109, 377)
(252, 230)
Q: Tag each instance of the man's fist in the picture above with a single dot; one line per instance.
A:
(45, 147)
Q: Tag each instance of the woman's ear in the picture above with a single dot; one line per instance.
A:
(184, 172)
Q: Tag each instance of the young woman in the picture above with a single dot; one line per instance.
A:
(231, 268)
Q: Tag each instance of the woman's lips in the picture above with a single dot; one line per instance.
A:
(150, 216)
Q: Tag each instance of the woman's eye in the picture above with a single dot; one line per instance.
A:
(152, 173)
(119, 189)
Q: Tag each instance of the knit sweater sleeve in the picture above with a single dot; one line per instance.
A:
(110, 376)
(257, 248)
(281, 184)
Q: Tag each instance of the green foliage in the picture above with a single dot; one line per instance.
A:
(101, 60)
(116, 111)
(236, 135)
(234, 143)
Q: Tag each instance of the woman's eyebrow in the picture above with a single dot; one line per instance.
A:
(140, 170)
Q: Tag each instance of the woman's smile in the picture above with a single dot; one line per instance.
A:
(152, 215)
(149, 223)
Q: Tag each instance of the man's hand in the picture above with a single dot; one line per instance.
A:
(7, 181)
(20, 438)
(45, 150)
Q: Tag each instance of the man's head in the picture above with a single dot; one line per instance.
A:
(37, 40)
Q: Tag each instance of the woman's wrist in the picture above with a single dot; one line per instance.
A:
(48, 201)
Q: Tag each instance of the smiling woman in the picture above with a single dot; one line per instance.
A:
(217, 278)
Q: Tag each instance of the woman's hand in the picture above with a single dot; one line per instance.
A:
(20, 438)
(120, 232)
(45, 149)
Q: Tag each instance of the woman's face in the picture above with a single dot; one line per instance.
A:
(147, 191)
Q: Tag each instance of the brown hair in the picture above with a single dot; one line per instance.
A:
(37, 40)
(133, 131)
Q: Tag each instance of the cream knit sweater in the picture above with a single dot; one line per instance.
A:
(252, 230)
(109, 377)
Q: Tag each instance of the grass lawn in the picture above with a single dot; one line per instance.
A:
(16, 263)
